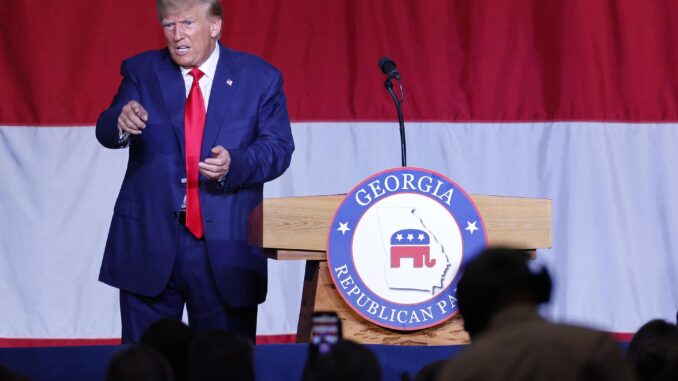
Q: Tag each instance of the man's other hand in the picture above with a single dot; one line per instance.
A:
(133, 118)
(216, 167)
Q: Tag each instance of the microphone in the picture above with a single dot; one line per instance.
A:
(388, 67)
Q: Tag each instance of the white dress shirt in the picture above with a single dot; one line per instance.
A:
(209, 68)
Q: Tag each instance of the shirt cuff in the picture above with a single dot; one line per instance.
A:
(123, 137)
(222, 179)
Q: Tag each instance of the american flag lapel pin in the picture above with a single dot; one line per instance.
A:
(229, 82)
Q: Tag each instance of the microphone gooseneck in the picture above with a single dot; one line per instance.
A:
(388, 67)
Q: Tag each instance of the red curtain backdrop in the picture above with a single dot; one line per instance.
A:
(472, 60)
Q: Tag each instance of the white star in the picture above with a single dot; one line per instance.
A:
(471, 226)
(343, 227)
(410, 237)
(420, 237)
(229, 82)
(399, 237)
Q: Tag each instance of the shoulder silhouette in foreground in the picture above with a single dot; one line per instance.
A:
(498, 296)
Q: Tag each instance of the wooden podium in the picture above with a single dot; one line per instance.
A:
(296, 228)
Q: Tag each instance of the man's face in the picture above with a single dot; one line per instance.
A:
(191, 34)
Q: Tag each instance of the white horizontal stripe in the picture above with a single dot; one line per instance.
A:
(611, 185)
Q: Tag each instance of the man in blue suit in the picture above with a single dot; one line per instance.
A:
(179, 233)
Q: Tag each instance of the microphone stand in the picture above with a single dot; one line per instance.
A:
(398, 103)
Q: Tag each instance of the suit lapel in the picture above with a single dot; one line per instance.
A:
(224, 86)
(174, 95)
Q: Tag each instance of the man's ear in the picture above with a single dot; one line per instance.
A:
(215, 27)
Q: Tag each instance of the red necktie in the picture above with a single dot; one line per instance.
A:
(194, 124)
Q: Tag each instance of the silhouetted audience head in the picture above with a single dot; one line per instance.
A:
(347, 360)
(653, 351)
(217, 355)
(171, 338)
(430, 371)
(139, 363)
(8, 375)
(496, 279)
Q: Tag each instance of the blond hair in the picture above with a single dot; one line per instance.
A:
(163, 6)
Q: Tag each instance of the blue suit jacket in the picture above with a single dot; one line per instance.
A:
(247, 115)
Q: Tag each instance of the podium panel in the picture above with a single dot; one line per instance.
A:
(296, 228)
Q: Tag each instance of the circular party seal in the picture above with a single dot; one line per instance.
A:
(396, 244)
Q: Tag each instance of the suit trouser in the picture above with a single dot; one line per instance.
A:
(190, 284)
